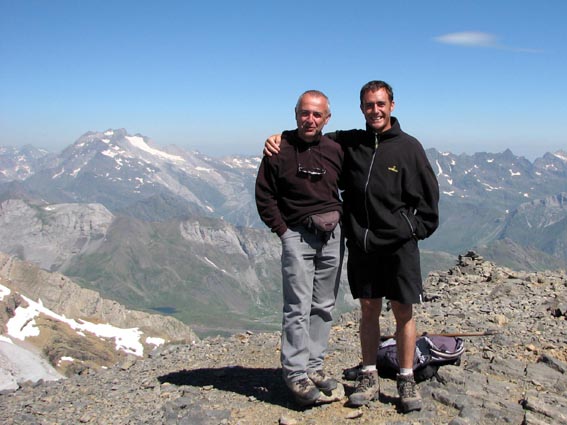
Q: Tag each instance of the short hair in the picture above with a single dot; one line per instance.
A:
(375, 85)
(315, 93)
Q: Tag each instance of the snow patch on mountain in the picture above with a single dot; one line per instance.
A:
(23, 325)
(138, 142)
(113, 152)
(439, 168)
(20, 365)
(487, 187)
(213, 264)
(561, 155)
(252, 163)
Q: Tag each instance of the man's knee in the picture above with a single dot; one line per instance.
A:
(402, 312)
(371, 307)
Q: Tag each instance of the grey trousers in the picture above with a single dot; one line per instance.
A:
(311, 275)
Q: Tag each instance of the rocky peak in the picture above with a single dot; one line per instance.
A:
(516, 373)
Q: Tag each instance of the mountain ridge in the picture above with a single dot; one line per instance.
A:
(131, 175)
(137, 222)
(75, 328)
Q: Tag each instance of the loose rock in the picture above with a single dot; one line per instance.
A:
(516, 375)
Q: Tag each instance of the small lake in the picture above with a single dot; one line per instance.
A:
(165, 310)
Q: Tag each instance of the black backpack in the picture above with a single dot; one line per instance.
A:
(431, 352)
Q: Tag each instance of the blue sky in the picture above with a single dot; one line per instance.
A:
(220, 76)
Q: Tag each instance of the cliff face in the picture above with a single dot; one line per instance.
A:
(197, 269)
(49, 235)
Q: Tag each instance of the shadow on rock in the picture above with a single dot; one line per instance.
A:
(264, 384)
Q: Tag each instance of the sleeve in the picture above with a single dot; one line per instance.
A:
(340, 136)
(423, 192)
(336, 137)
(267, 198)
(333, 135)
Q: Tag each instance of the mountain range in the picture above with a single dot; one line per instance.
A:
(165, 229)
(130, 177)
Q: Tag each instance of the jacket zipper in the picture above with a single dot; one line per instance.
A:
(376, 143)
(412, 230)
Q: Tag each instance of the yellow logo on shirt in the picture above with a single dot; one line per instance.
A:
(393, 168)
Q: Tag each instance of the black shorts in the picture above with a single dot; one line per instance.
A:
(395, 276)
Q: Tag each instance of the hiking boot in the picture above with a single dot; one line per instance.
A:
(367, 389)
(323, 382)
(410, 399)
(304, 391)
(351, 373)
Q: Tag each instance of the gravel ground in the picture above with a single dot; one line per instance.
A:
(518, 375)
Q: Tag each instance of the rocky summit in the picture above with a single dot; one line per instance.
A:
(513, 371)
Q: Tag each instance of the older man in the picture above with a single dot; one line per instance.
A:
(297, 197)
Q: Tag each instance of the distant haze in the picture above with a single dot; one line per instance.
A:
(220, 78)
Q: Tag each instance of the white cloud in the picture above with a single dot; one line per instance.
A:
(470, 38)
(477, 39)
